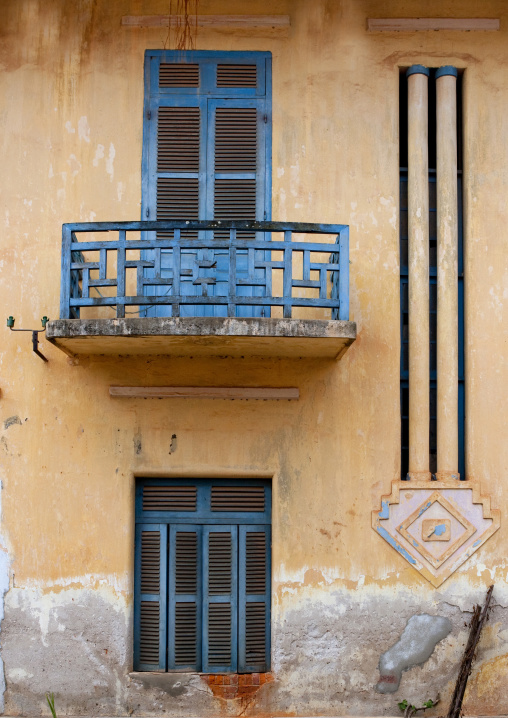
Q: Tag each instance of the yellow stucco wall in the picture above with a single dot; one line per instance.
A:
(71, 89)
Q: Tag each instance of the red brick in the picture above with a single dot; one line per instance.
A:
(255, 679)
(247, 690)
(244, 679)
(229, 692)
(219, 680)
(233, 679)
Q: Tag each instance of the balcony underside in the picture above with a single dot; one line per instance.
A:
(203, 336)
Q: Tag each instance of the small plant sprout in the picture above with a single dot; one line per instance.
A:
(410, 710)
(50, 697)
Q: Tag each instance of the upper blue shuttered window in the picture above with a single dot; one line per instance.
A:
(206, 147)
(202, 575)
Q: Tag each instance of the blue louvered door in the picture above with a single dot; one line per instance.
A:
(254, 599)
(220, 598)
(150, 597)
(202, 576)
(184, 604)
(206, 155)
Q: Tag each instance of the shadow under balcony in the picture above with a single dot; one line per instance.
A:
(207, 288)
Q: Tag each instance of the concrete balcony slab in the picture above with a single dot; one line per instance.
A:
(203, 336)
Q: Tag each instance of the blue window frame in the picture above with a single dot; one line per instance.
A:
(202, 575)
(206, 155)
(404, 327)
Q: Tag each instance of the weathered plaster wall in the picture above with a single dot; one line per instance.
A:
(71, 89)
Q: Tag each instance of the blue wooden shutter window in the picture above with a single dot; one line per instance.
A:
(206, 155)
(150, 596)
(202, 575)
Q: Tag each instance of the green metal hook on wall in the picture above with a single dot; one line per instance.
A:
(35, 333)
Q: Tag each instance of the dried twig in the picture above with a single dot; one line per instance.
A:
(480, 616)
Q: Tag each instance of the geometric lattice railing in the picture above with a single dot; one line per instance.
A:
(205, 268)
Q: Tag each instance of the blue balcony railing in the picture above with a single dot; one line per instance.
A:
(205, 268)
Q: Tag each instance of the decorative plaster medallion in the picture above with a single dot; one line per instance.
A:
(436, 525)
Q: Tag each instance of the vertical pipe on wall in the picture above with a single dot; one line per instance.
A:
(447, 274)
(418, 270)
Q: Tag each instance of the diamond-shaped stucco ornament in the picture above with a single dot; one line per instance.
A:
(436, 525)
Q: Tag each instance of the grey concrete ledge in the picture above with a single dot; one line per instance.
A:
(203, 336)
(200, 326)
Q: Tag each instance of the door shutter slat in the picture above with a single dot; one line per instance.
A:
(254, 598)
(186, 569)
(236, 139)
(169, 498)
(184, 636)
(178, 139)
(219, 563)
(177, 198)
(255, 633)
(238, 498)
(219, 635)
(149, 634)
(150, 595)
(178, 74)
(235, 199)
(220, 601)
(255, 562)
(229, 75)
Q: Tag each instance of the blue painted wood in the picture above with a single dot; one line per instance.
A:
(245, 663)
(208, 96)
(203, 513)
(65, 286)
(160, 598)
(226, 598)
(137, 226)
(232, 274)
(233, 264)
(174, 598)
(344, 274)
(202, 522)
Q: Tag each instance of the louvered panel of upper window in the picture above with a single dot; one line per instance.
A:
(238, 140)
(236, 179)
(178, 163)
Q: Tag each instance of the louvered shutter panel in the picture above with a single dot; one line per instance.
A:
(180, 191)
(220, 598)
(236, 168)
(150, 597)
(254, 599)
(184, 612)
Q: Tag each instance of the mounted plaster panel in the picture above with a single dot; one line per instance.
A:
(435, 525)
